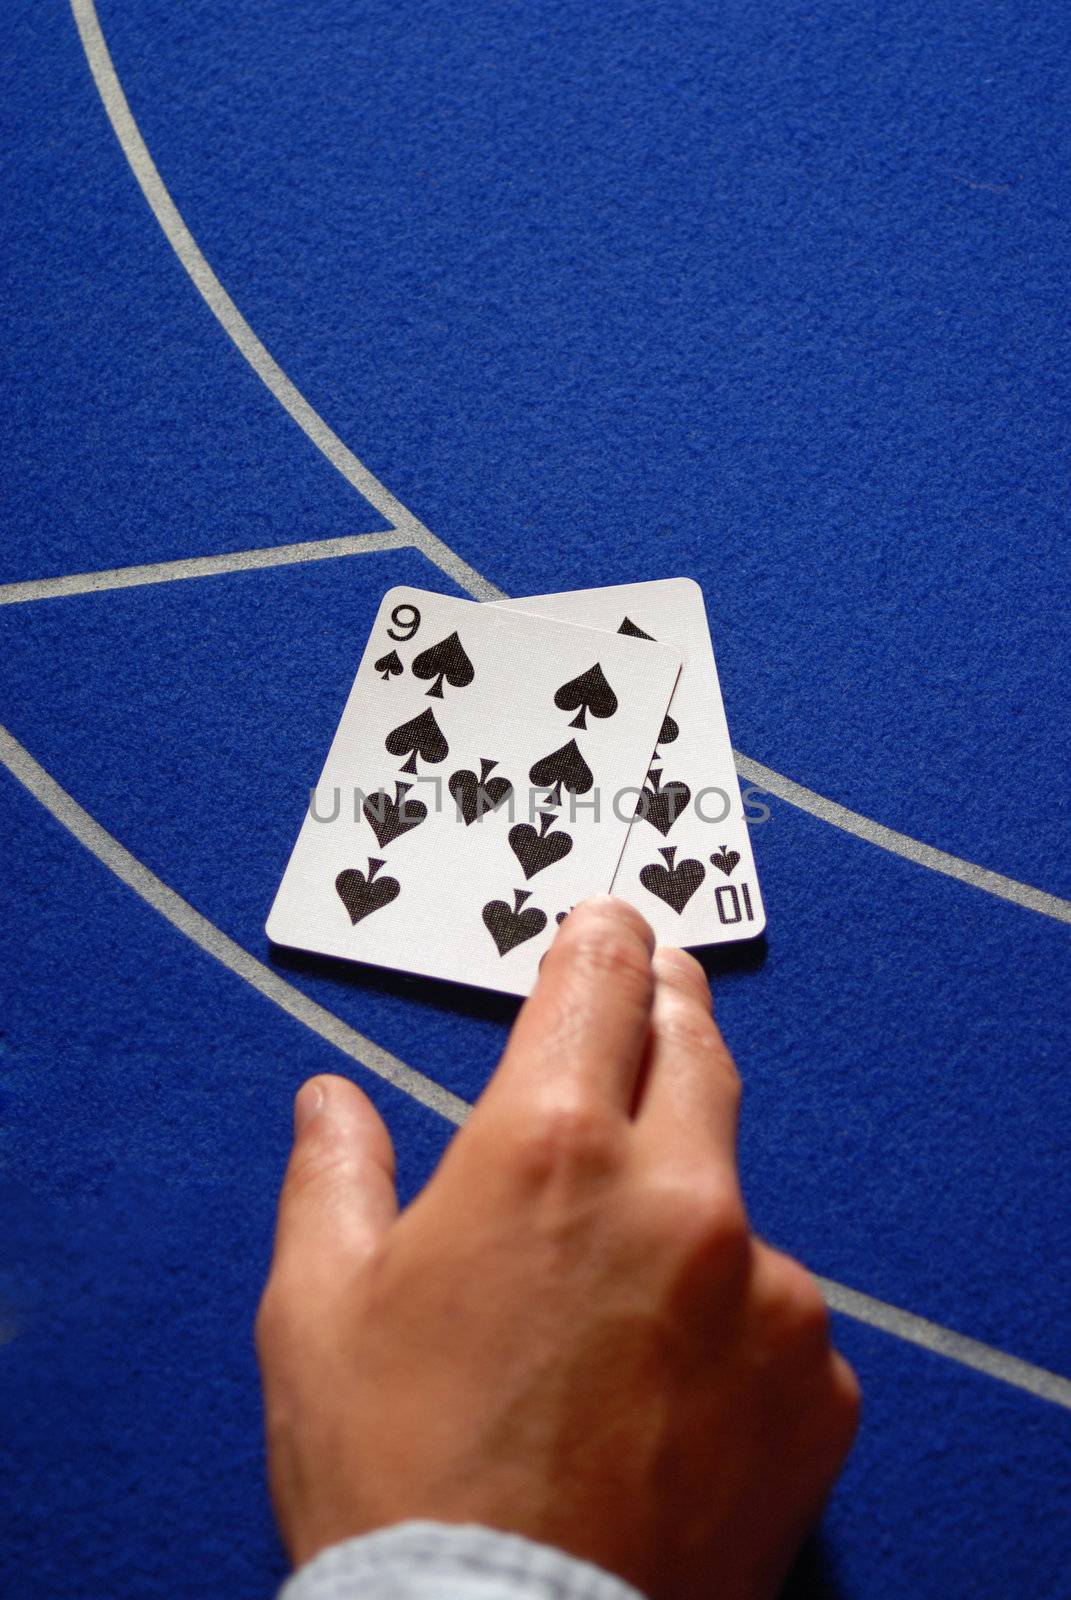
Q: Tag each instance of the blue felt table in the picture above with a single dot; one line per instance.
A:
(773, 296)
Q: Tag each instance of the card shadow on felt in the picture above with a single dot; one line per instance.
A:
(486, 1005)
(732, 960)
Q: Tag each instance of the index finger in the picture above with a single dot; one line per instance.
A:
(583, 1029)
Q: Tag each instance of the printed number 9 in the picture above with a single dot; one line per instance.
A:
(405, 618)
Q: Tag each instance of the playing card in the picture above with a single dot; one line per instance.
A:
(687, 863)
(481, 781)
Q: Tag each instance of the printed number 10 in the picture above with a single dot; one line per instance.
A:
(729, 903)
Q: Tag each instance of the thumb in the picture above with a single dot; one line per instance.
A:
(338, 1196)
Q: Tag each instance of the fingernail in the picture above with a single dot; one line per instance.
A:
(309, 1100)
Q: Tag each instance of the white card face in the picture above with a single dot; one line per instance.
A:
(688, 865)
(473, 750)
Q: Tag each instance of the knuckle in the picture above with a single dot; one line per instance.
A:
(704, 1216)
(683, 972)
(682, 1024)
(691, 1031)
(797, 1312)
(568, 1134)
(686, 1026)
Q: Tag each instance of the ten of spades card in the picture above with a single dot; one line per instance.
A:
(688, 863)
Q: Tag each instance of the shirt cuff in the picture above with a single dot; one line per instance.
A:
(440, 1561)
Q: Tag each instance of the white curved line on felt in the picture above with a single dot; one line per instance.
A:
(234, 324)
(902, 844)
(129, 870)
(1008, 1369)
(273, 555)
(357, 474)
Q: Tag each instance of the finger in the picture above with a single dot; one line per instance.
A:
(691, 1088)
(338, 1196)
(583, 1029)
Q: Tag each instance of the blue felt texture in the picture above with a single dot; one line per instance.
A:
(769, 295)
(131, 428)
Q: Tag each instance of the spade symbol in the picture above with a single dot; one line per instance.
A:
(662, 806)
(560, 918)
(535, 850)
(588, 692)
(562, 769)
(448, 660)
(673, 884)
(389, 666)
(725, 860)
(668, 731)
(389, 818)
(629, 627)
(421, 736)
(474, 795)
(362, 895)
(508, 925)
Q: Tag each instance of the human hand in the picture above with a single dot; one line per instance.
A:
(571, 1333)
